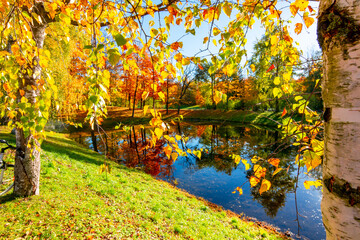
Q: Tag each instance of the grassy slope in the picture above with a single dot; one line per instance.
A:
(78, 202)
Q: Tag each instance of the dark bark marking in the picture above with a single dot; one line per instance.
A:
(336, 24)
(343, 190)
(327, 114)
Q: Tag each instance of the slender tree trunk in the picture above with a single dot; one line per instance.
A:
(27, 162)
(134, 100)
(341, 93)
(93, 139)
(167, 96)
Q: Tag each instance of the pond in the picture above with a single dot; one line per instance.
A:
(215, 175)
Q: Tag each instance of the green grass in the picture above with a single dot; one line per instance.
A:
(77, 202)
(270, 119)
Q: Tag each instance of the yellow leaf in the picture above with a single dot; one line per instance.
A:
(145, 109)
(158, 132)
(205, 40)
(277, 81)
(301, 4)
(311, 159)
(237, 159)
(178, 137)
(164, 74)
(254, 159)
(197, 153)
(145, 95)
(273, 40)
(246, 164)
(4, 53)
(217, 97)
(316, 183)
(161, 95)
(216, 31)
(265, 185)
(277, 171)
(254, 181)
(259, 171)
(43, 63)
(252, 66)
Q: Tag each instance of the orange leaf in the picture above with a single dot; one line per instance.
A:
(167, 151)
(201, 67)
(175, 46)
(308, 21)
(298, 28)
(239, 189)
(265, 185)
(274, 161)
(6, 87)
(22, 92)
(294, 9)
(178, 21)
(311, 9)
(284, 113)
(254, 181)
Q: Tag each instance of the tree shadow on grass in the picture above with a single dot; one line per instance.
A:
(7, 198)
(72, 150)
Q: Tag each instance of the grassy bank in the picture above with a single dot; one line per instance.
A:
(79, 202)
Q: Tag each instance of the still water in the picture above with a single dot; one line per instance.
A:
(215, 175)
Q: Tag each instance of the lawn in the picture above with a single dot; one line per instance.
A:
(77, 201)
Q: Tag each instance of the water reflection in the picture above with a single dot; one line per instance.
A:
(215, 175)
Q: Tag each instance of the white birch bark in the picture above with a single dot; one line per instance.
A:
(27, 162)
(340, 43)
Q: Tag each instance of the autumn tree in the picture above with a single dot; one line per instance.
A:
(271, 70)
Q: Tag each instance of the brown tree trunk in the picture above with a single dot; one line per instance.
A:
(27, 162)
(167, 96)
(134, 100)
(339, 38)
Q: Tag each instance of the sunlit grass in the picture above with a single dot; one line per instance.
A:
(78, 202)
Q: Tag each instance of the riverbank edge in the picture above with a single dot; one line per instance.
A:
(74, 194)
(123, 116)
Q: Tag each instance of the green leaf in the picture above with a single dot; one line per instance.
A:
(114, 57)
(120, 40)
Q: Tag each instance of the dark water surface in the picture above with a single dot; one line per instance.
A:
(215, 176)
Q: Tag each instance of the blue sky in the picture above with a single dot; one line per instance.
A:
(307, 39)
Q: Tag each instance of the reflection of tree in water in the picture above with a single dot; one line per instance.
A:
(281, 184)
(225, 140)
(132, 148)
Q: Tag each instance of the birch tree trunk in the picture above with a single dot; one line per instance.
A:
(27, 162)
(339, 38)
